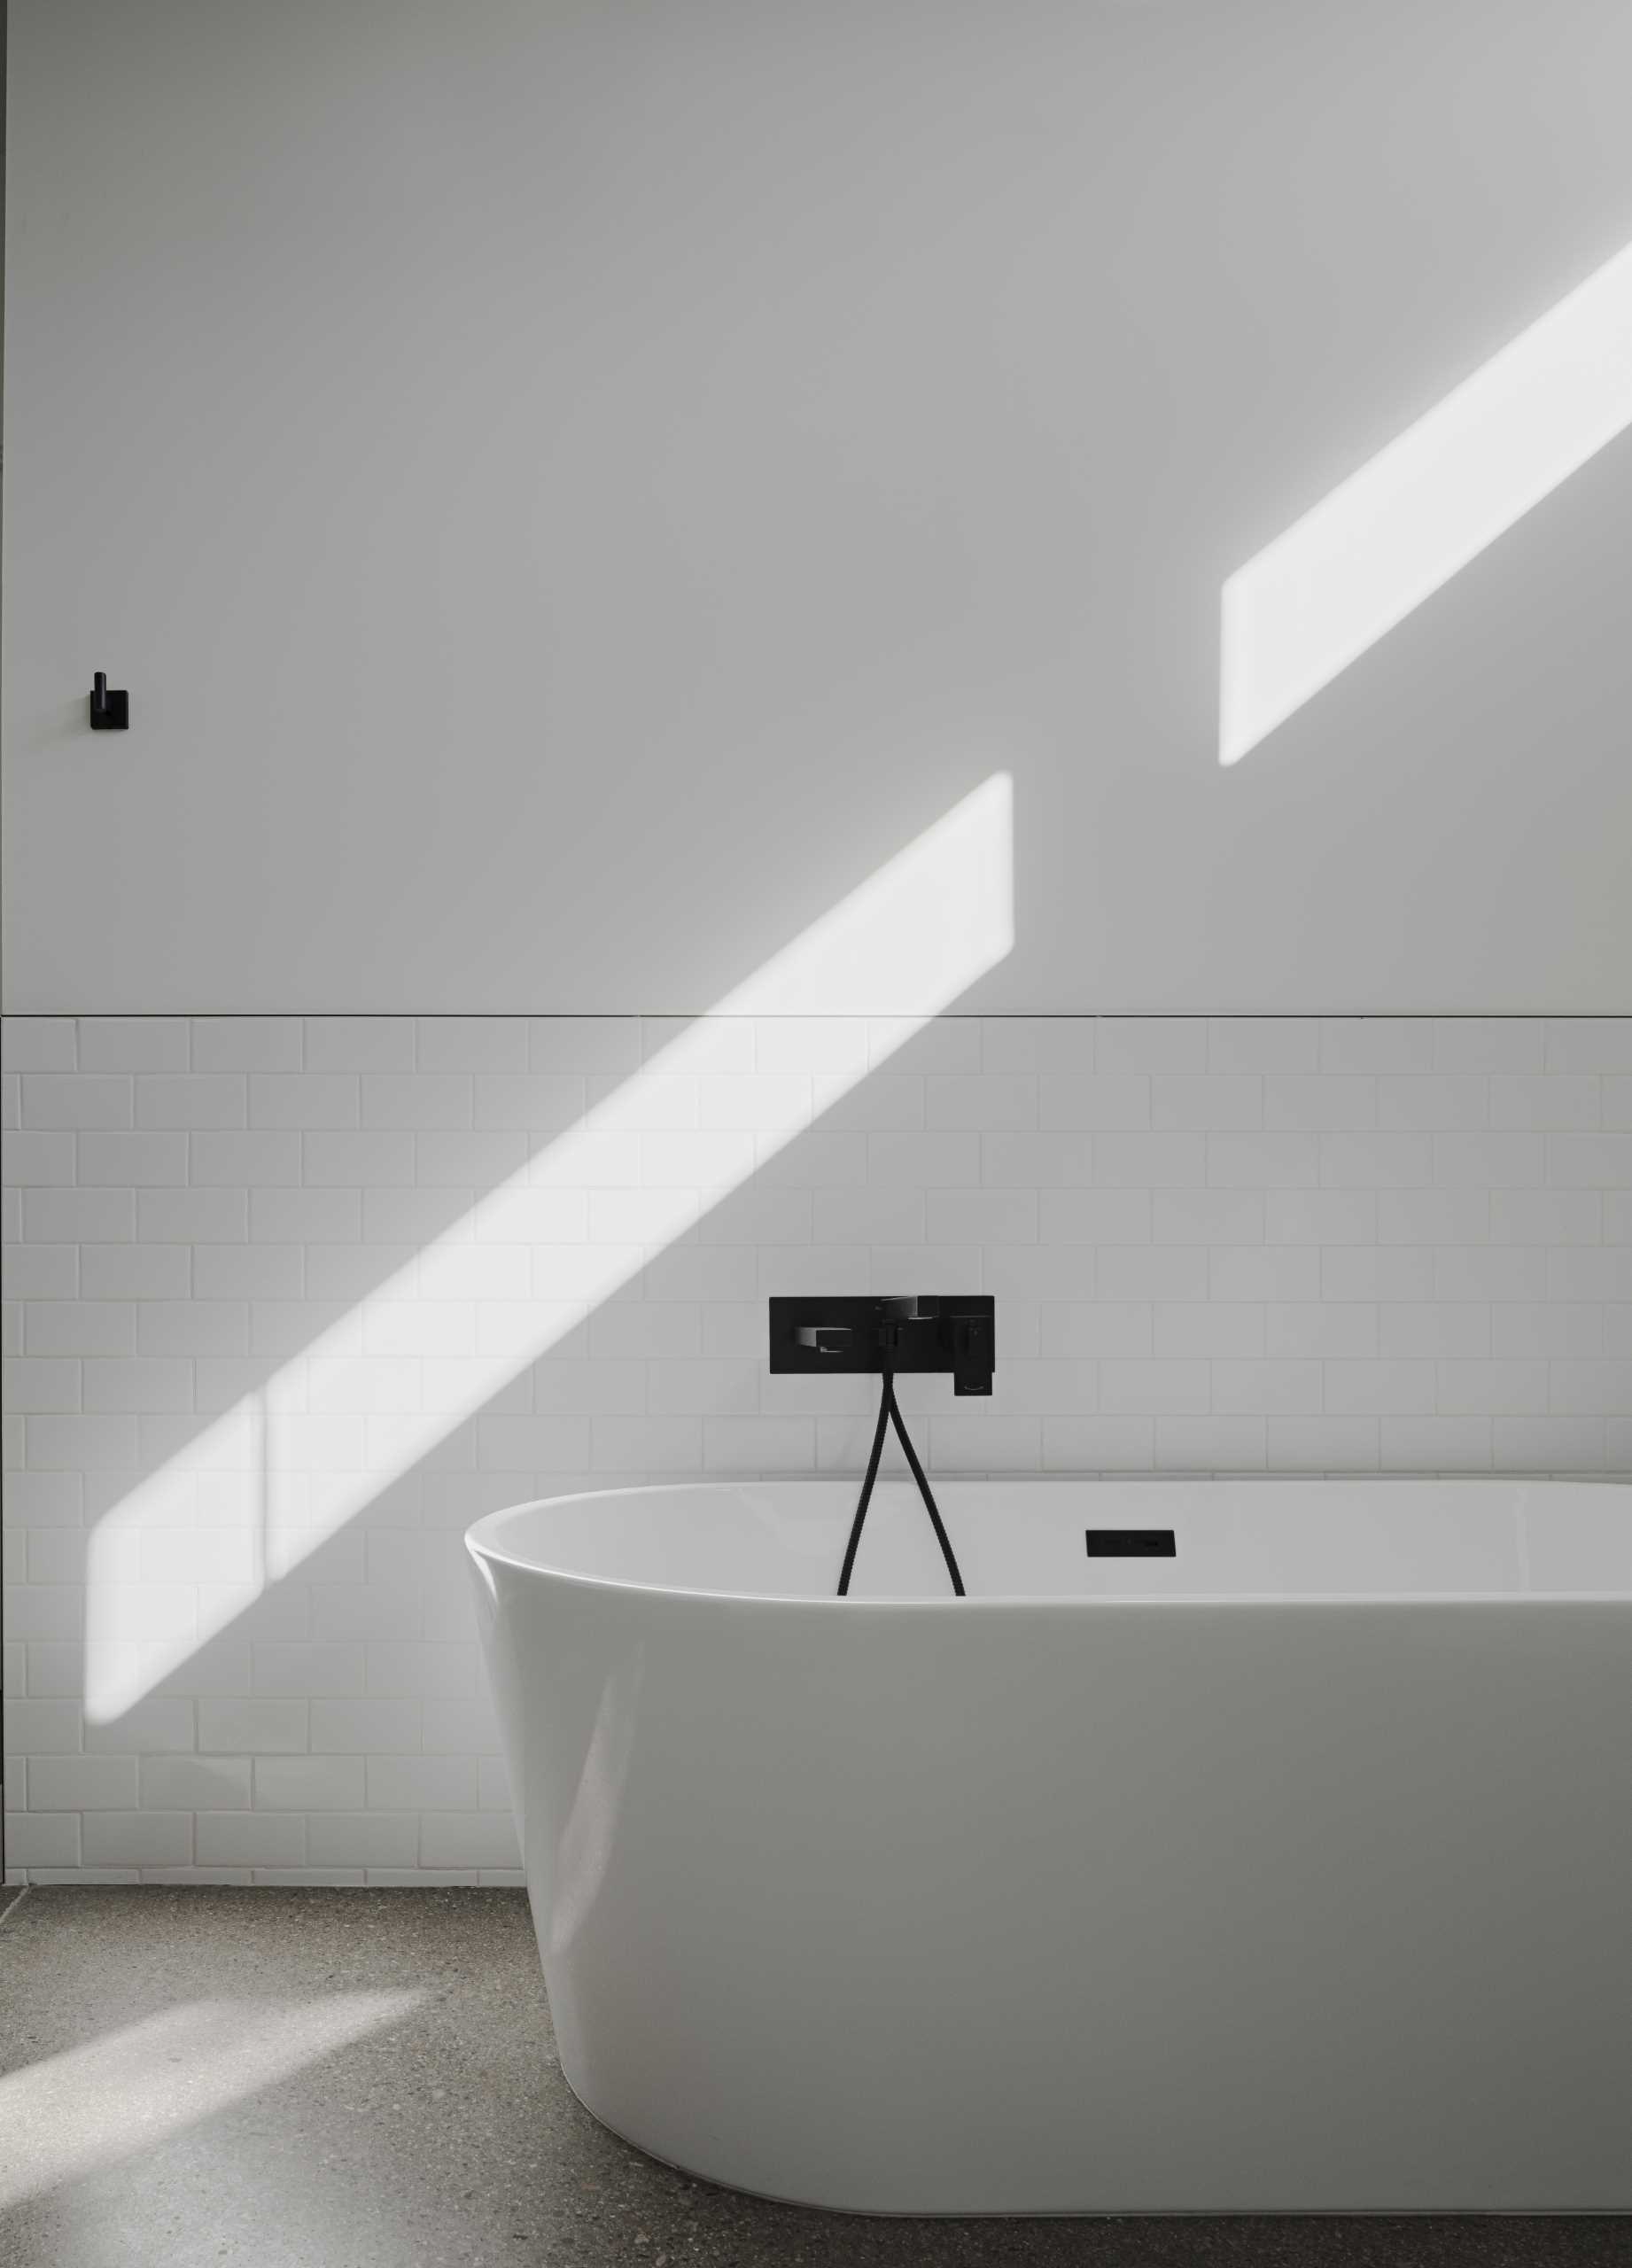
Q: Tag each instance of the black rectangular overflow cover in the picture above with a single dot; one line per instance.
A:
(1130, 1543)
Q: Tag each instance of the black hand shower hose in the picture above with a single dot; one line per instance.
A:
(889, 1412)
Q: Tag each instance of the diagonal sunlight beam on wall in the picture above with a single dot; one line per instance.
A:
(258, 1490)
(73, 2114)
(1313, 601)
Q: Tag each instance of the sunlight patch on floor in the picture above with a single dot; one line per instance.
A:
(71, 2114)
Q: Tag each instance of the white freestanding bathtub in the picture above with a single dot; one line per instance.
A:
(1293, 1872)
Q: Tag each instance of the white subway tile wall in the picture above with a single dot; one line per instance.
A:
(1251, 1244)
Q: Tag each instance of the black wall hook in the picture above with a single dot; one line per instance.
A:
(110, 712)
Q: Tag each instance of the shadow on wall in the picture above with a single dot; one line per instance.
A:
(381, 1397)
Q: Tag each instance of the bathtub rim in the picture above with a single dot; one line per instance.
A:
(480, 1551)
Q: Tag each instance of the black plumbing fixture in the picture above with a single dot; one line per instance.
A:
(882, 1336)
(834, 1336)
(1130, 1543)
(110, 712)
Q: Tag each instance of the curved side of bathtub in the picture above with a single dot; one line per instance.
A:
(1110, 1907)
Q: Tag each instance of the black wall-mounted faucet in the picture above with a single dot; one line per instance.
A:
(828, 1335)
(889, 1338)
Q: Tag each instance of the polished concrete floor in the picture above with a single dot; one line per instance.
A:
(312, 2079)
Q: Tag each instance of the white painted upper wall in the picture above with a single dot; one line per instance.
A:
(571, 489)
